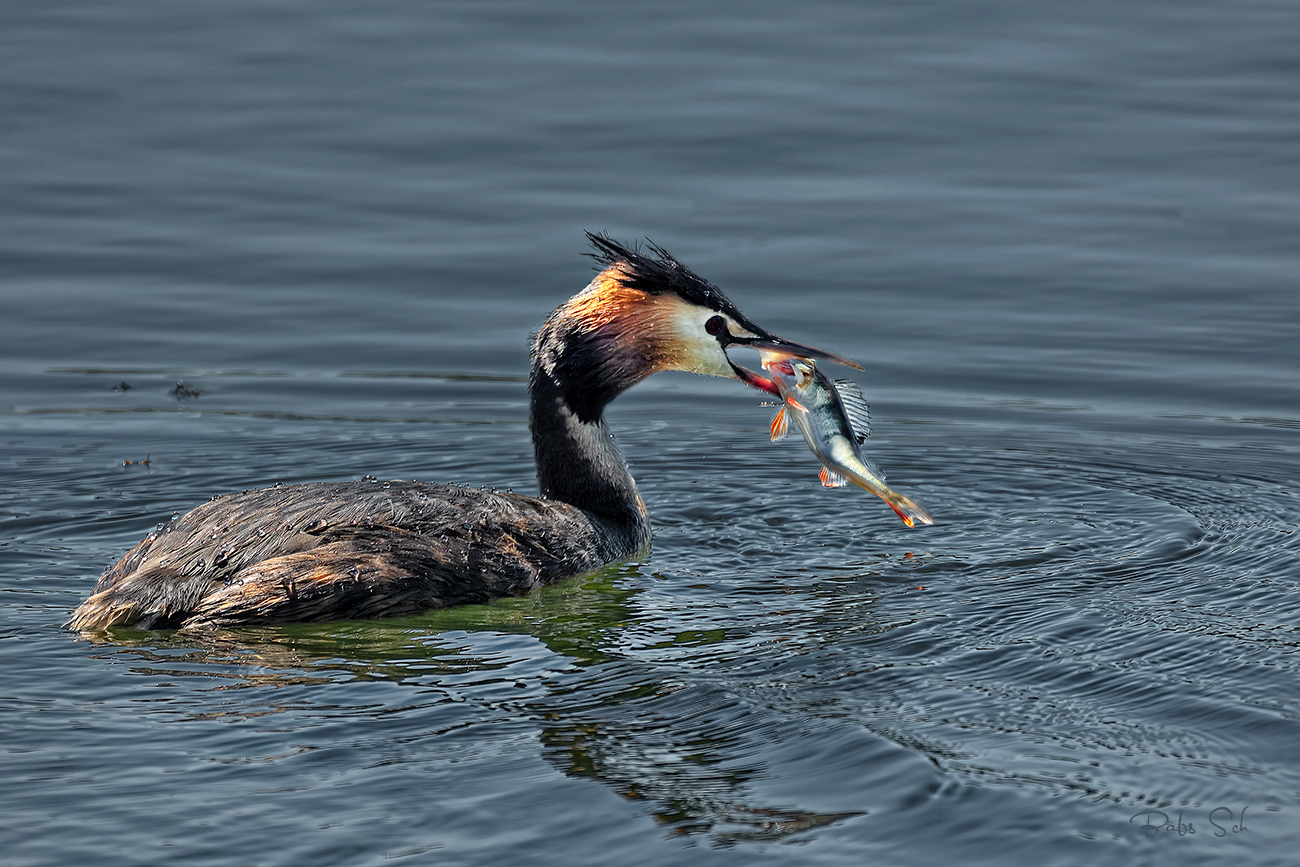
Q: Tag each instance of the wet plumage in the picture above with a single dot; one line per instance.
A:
(367, 548)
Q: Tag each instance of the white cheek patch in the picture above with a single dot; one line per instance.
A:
(700, 351)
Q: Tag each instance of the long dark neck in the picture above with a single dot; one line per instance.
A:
(578, 461)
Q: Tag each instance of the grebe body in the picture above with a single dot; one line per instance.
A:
(363, 549)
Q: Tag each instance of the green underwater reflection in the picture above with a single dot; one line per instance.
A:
(573, 619)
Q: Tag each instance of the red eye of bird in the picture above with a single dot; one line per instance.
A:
(716, 326)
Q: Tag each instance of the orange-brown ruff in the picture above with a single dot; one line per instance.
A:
(360, 549)
(635, 323)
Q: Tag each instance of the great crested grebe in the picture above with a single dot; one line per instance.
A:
(363, 549)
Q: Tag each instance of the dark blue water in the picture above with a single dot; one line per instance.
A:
(1061, 239)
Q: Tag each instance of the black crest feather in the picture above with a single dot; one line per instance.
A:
(658, 272)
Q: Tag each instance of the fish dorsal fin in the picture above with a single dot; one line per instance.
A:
(855, 407)
(832, 480)
(859, 416)
(780, 425)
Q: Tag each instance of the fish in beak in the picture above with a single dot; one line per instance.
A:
(766, 343)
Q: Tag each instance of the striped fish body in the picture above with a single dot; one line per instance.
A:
(835, 420)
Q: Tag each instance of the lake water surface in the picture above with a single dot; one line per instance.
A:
(1061, 239)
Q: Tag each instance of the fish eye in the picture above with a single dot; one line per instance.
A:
(715, 326)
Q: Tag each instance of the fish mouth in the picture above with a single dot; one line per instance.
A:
(770, 343)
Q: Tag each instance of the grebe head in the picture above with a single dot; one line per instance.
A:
(644, 313)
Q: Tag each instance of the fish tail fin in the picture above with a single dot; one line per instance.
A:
(910, 512)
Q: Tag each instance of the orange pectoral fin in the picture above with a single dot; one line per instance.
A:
(780, 425)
